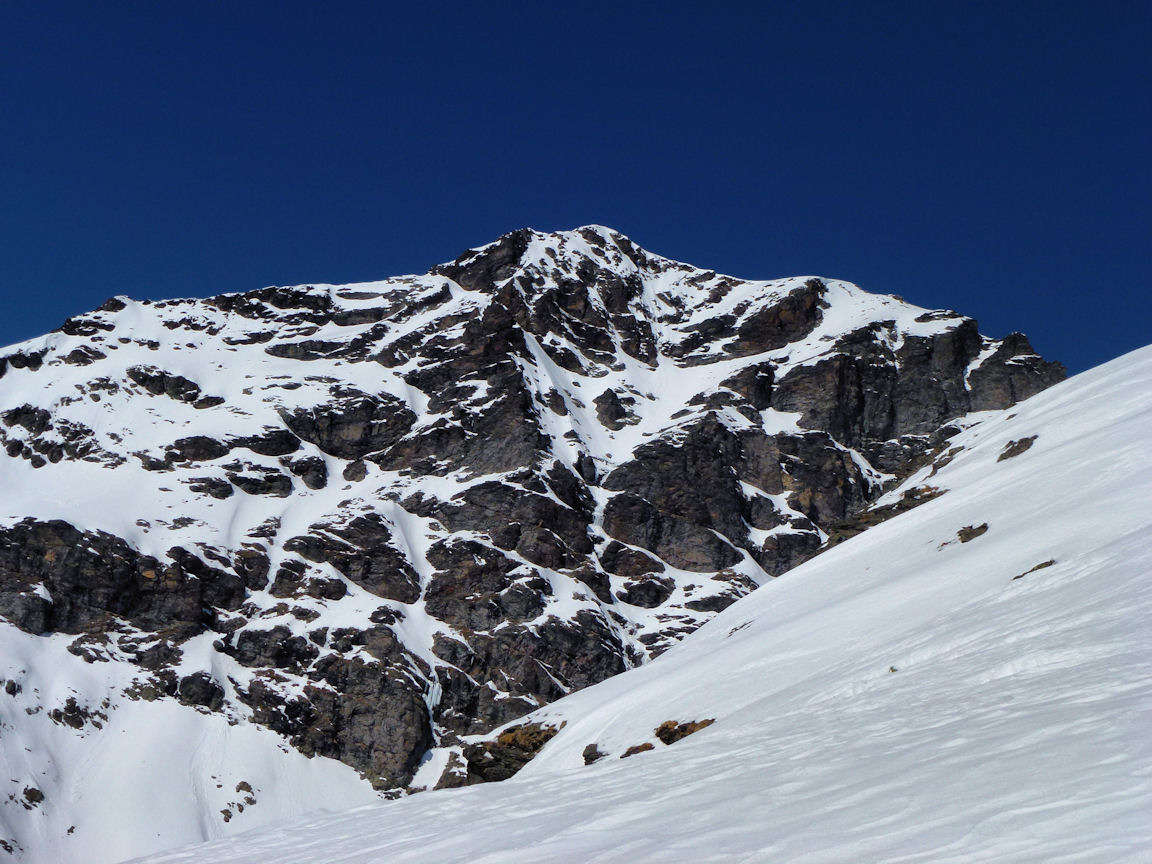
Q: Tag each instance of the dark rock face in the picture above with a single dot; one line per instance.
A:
(276, 648)
(198, 448)
(482, 269)
(263, 483)
(531, 523)
(431, 505)
(647, 592)
(362, 552)
(42, 439)
(472, 584)
(681, 496)
(513, 748)
(532, 665)
(780, 324)
(1013, 373)
(199, 688)
(352, 425)
(91, 577)
(273, 442)
(680, 542)
(619, 559)
(161, 383)
(868, 394)
(691, 478)
(364, 713)
(312, 471)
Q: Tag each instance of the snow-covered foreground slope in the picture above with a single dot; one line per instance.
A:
(98, 785)
(903, 697)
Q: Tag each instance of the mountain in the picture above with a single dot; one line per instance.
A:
(370, 523)
(968, 682)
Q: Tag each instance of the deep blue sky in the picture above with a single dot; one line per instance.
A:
(994, 158)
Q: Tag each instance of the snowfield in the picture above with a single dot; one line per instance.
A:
(969, 681)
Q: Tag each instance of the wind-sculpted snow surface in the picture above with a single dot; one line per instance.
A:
(924, 692)
(371, 522)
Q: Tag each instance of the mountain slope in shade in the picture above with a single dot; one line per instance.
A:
(970, 681)
(369, 524)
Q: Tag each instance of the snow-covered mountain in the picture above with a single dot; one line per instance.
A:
(372, 523)
(970, 681)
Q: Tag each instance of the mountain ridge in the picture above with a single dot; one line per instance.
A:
(383, 519)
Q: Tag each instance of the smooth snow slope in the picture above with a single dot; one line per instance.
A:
(1015, 726)
(144, 775)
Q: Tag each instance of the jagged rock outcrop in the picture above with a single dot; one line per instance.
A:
(407, 512)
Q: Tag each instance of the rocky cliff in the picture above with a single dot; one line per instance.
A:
(380, 518)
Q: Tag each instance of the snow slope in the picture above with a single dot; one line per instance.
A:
(137, 775)
(902, 697)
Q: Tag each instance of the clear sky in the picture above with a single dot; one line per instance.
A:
(990, 157)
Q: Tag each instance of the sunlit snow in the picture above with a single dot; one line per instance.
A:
(903, 697)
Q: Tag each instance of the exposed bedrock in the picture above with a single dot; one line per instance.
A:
(54, 577)
(409, 511)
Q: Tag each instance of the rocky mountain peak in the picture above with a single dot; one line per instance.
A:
(381, 518)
